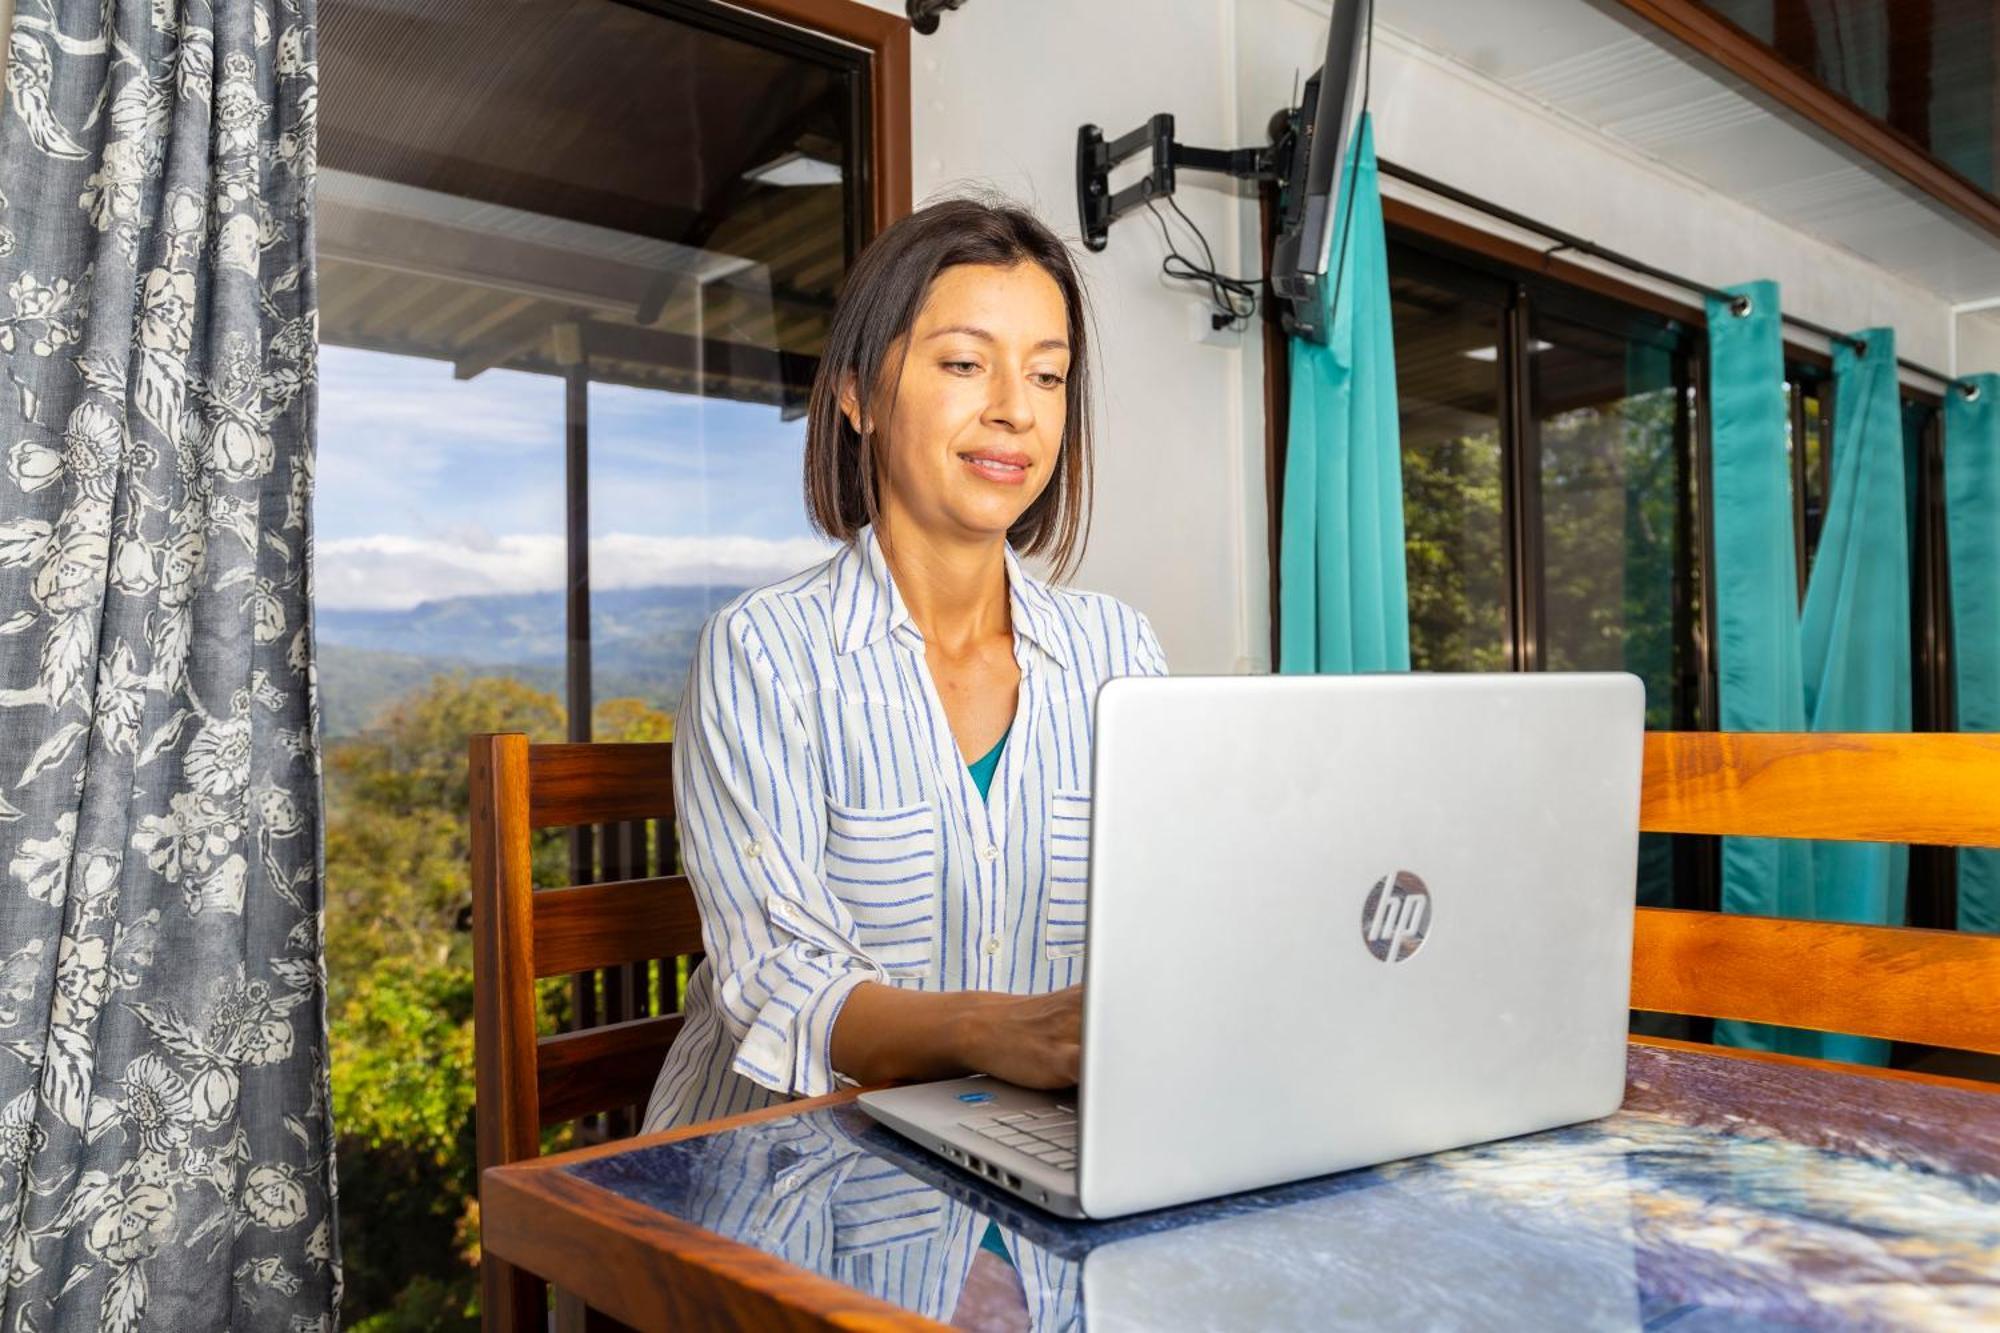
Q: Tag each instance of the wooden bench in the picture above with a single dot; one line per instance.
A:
(1934, 987)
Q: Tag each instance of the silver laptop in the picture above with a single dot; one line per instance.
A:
(1332, 921)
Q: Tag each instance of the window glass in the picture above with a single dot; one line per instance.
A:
(1448, 392)
(640, 224)
(1610, 430)
(577, 261)
(1926, 68)
(439, 514)
(692, 500)
(1809, 449)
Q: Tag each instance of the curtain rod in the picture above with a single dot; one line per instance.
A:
(1569, 241)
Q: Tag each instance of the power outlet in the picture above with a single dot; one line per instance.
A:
(1201, 327)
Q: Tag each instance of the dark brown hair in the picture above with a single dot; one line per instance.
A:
(884, 292)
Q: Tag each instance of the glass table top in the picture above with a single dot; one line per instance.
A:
(1726, 1194)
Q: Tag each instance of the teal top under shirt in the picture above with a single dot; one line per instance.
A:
(982, 770)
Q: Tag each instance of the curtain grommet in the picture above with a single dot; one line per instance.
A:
(1740, 306)
(1970, 390)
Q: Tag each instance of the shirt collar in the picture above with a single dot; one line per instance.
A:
(867, 604)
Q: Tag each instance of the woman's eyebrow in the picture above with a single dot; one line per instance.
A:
(972, 331)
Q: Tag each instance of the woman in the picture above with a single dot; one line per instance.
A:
(882, 765)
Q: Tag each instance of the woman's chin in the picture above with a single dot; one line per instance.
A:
(988, 518)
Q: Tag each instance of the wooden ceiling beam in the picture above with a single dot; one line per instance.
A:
(508, 339)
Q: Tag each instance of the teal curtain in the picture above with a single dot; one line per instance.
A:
(1855, 631)
(1760, 677)
(1972, 529)
(1342, 588)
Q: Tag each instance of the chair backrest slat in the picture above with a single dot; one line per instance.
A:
(1936, 787)
(599, 1069)
(604, 925)
(1937, 987)
(600, 783)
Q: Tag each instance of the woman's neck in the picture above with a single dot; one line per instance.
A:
(956, 591)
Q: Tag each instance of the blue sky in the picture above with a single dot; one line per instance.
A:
(432, 487)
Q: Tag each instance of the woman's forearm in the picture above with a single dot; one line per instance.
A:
(886, 1035)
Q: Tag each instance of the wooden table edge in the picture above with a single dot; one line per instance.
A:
(1827, 1066)
(655, 1271)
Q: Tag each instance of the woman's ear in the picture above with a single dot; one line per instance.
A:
(850, 404)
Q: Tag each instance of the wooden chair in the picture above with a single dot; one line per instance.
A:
(610, 934)
(1933, 987)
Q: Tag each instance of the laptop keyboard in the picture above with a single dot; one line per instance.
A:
(1048, 1136)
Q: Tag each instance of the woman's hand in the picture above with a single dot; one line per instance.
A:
(1033, 1040)
(884, 1034)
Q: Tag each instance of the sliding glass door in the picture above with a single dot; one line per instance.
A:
(576, 263)
(1548, 459)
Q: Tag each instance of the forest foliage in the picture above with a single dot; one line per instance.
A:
(399, 965)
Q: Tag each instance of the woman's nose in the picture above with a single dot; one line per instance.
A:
(1010, 404)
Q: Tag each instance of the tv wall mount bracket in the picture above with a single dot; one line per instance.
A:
(1098, 206)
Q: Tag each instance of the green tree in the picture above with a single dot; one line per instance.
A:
(1454, 543)
(630, 720)
(399, 958)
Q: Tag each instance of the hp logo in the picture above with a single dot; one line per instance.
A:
(1396, 916)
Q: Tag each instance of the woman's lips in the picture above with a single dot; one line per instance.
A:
(998, 469)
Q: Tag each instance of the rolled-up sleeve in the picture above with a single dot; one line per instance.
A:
(752, 822)
(1150, 659)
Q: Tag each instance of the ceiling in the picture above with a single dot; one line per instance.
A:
(1594, 63)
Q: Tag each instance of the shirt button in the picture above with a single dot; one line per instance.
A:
(992, 944)
(753, 849)
(989, 853)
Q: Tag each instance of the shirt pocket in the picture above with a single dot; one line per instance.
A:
(1068, 875)
(883, 866)
(879, 1210)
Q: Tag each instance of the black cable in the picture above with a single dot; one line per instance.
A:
(1234, 299)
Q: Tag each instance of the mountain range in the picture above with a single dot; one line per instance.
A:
(641, 642)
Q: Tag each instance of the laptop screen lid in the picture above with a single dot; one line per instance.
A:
(1335, 921)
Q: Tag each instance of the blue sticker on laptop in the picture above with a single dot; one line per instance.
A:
(975, 1097)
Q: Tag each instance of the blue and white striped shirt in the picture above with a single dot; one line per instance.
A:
(834, 835)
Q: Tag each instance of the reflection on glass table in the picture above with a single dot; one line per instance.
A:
(1729, 1193)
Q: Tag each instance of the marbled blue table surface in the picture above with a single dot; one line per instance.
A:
(1727, 1194)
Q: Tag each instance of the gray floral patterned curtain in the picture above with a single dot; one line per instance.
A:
(165, 1139)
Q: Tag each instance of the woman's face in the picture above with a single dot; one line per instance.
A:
(977, 423)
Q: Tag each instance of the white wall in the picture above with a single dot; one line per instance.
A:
(998, 93)
(1181, 528)
(1978, 344)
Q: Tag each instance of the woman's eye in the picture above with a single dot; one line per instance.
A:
(961, 367)
(1048, 379)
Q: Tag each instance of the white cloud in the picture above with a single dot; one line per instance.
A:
(390, 572)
